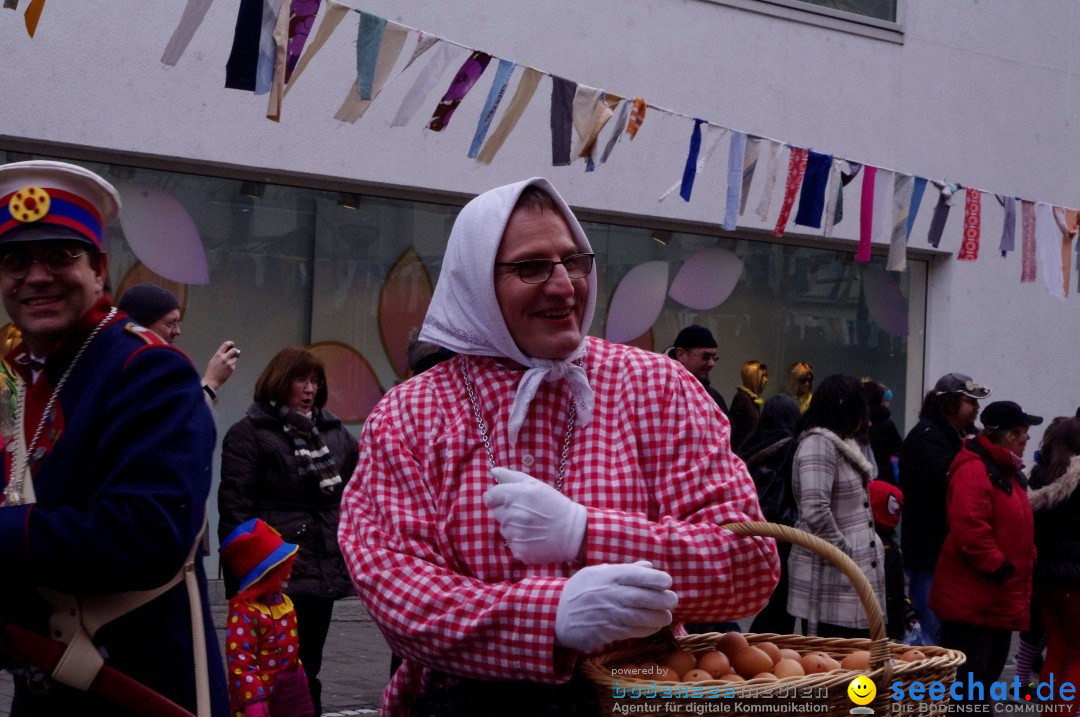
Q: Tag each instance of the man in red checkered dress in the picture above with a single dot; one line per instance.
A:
(543, 494)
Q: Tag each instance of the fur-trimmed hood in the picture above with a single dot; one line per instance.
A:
(1059, 491)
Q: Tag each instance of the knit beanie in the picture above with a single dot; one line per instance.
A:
(146, 303)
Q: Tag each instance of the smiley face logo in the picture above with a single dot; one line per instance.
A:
(862, 690)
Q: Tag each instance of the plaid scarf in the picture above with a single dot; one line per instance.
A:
(313, 458)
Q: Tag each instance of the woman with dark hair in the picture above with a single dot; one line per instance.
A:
(885, 439)
(1055, 500)
(982, 582)
(829, 476)
(767, 453)
(287, 461)
(947, 416)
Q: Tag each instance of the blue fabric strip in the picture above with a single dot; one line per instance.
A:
(495, 95)
(368, 41)
(812, 199)
(917, 191)
(736, 153)
(690, 171)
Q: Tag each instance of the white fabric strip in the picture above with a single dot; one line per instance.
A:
(772, 168)
(1048, 249)
(194, 13)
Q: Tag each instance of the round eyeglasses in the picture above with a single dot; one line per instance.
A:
(537, 271)
(16, 264)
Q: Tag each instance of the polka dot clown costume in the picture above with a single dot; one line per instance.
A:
(261, 645)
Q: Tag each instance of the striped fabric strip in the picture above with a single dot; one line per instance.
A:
(749, 165)
(466, 78)
(637, 116)
(736, 158)
(866, 215)
(796, 172)
(1027, 248)
(969, 248)
(620, 122)
(491, 105)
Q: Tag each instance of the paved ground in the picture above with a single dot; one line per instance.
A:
(356, 663)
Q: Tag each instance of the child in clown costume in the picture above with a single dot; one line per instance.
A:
(264, 672)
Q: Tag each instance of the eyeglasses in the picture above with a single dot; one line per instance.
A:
(172, 325)
(16, 264)
(714, 357)
(305, 380)
(537, 271)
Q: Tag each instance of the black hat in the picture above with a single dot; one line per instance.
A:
(146, 303)
(960, 383)
(1006, 414)
(695, 337)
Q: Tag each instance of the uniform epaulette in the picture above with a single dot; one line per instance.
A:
(147, 336)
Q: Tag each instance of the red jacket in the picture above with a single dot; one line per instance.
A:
(983, 576)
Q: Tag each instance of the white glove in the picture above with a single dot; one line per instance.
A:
(540, 524)
(601, 604)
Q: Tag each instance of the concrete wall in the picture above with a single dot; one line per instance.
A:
(979, 92)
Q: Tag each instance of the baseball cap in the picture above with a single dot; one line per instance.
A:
(1007, 414)
(960, 383)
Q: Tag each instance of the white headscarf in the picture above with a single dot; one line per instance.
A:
(464, 315)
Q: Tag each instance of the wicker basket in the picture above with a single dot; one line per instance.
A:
(753, 696)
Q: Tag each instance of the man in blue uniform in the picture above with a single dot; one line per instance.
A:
(108, 447)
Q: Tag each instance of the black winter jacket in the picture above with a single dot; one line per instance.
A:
(259, 479)
(927, 453)
(1057, 528)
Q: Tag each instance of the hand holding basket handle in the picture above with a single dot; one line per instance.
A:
(606, 603)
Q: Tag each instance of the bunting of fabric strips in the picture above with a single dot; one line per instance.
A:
(796, 172)
(866, 215)
(467, 76)
(491, 105)
(530, 80)
(190, 20)
(637, 117)
(812, 199)
(1027, 246)
(969, 248)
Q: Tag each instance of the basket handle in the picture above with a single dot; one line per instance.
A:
(879, 645)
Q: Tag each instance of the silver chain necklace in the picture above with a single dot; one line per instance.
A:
(482, 426)
(13, 494)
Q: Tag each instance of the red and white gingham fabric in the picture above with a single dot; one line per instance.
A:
(654, 468)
